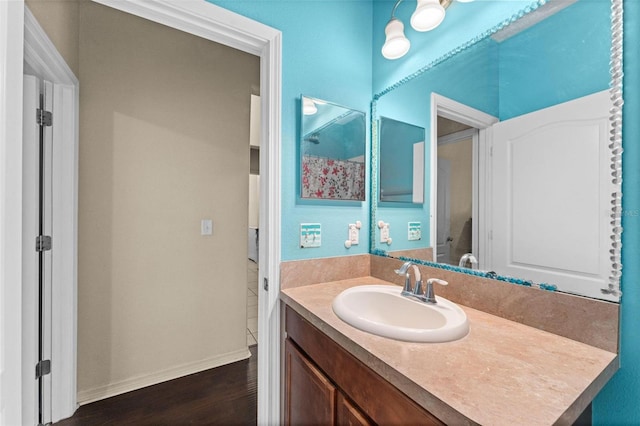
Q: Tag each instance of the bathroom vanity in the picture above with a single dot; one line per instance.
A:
(324, 382)
(541, 303)
(502, 372)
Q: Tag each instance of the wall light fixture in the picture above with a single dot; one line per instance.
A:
(308, 106)
(427, 16)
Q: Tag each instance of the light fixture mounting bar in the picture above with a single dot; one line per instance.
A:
(443, 3)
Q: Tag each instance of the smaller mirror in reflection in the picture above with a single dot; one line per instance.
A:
(332, 151)
(401, 155)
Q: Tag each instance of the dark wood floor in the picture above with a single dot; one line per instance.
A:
(225, 395)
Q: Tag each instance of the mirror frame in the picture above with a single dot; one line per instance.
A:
(615, 146)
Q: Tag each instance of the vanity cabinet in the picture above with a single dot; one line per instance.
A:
(324, 384)
(311, 398)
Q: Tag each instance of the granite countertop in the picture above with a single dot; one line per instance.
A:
(501, 373)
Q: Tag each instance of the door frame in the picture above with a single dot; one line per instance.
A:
(195, 17)
(220, 25)
(456, 111)
(24, 47)
(42, 59)
(11, 324)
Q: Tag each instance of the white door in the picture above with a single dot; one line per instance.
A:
(443, 233)
(551, 196)
(37, 256)
(27, 49)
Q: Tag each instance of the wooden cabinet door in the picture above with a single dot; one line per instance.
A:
(348, 414)
(310, 398)
(382, 402)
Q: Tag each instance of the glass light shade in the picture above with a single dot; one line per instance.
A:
(428, 15)
(396, 44)
(308, 106)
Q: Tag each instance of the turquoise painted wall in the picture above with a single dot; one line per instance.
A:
(618, 403)
(563, 65)
(463, 23)
(326, 54)
(319, 63)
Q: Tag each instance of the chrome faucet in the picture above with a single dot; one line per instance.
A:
(429, 295)
(468, 257)
(408, 290)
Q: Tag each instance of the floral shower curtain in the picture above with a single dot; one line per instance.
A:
(330, 178)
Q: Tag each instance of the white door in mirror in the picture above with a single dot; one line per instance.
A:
(551, 204)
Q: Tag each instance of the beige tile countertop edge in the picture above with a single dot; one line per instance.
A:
(528, 376)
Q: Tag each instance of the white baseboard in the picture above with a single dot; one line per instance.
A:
(113, 389)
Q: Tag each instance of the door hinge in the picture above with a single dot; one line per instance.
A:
(43, 243)
(44, 118)
(43, 368)
(490, 235)
(491, 152)
(265, 284)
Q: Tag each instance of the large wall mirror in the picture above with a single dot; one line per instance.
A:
(521, 176)
(332, 151)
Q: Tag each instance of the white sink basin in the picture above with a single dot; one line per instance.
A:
(382, 310)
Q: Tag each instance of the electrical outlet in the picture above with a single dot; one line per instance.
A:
(384, 233)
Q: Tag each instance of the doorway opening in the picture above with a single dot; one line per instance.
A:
(457, 192)
(253, 241)
(219, 25)
(164, 186)
(213, 24)
(458, 181)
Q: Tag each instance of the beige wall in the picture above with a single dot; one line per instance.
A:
(59, 20)
(164, 143)
(460, 154)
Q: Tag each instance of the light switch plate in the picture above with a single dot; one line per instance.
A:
(310, 235)
(415, 231)
(384, 233)
(206, 227)
(354, 234)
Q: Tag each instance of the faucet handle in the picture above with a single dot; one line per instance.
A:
(437, 281)
(429, 293)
